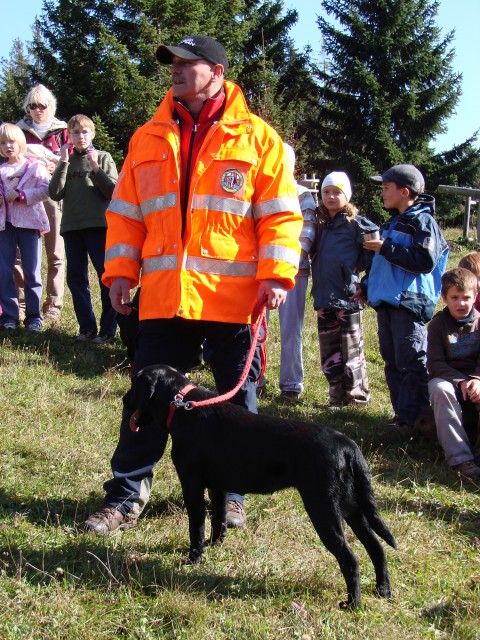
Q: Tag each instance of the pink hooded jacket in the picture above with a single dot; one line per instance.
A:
(34, 184)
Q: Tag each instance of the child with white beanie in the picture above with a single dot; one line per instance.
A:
(339, 259)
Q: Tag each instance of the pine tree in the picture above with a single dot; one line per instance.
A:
(98, 57)
(386, 90)
(15, 81)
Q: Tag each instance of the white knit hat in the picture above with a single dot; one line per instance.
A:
(340, 180)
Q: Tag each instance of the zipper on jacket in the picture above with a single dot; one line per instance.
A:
(187, 178)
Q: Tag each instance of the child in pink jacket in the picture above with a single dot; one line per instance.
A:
(23, 220)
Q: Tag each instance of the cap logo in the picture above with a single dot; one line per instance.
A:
(232, 180)
(189, 41)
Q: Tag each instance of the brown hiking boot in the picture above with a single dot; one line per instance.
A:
(108, 520)
(467, 469)
(236, 517)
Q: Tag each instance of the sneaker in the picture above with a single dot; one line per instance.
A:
(108, 520)
(334, 405)
(34, 325)
(103, 338)
(236, 517)
(467, 469)
(86, 337)
(9, 325)
(292, 397)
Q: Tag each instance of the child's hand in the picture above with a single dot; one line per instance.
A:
(92, 157)
(373, 245)
(64, 151)
(11, 195)
(358, 295)
(471, 390)
(50, 166)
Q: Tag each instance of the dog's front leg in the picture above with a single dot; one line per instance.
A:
(194, 498)
(219, 516)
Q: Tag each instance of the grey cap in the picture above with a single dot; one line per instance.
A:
(194, 48)
(405, 175)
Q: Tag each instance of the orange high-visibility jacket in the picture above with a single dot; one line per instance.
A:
(243, 217)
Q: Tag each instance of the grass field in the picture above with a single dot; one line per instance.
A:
(60, 407)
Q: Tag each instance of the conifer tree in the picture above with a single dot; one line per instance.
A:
(387, 89)
(98, 56)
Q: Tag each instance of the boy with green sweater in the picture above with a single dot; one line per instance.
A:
(85, 180)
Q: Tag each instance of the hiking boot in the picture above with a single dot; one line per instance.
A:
(51, 314)
(108, 520)
(103, 338)
(468, 470)
(292, 397)
(86, 337)
(236, 517)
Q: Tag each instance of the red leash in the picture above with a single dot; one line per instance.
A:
(259, 321)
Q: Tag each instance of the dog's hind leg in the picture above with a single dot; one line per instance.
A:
(329, 526)
(219, 509)
(360, 527)
(194, 498)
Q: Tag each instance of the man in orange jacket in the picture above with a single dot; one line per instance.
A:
(206, 210)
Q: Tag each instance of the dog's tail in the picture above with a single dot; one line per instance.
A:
(366, 499)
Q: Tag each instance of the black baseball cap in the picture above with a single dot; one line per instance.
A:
(406, 175)
(194, 48)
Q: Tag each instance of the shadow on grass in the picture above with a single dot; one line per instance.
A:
(66, 355)
(149, 564)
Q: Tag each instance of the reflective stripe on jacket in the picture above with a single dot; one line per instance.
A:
(243, 217)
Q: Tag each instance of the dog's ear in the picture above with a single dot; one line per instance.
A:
(138, 399)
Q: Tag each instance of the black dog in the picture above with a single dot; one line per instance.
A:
(325, 466)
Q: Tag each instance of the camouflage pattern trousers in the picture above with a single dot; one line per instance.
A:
(342, 356)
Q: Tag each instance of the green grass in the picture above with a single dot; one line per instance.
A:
(60, 408)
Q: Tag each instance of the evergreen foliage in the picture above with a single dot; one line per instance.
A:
(387, 89)
(384, 90)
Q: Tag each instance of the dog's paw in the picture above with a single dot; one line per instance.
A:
(383, 591)
(194, 557)
(349, 605)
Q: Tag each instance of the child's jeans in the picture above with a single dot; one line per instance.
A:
(29, 242)
(403, 346)
(79, 246)
(447, 410)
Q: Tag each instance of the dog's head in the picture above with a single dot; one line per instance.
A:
(152, 391)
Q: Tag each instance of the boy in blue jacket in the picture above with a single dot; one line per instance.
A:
(403, 285)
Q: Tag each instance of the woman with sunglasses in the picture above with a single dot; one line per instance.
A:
(42, 127)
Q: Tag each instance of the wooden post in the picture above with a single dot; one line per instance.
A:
(466, 218)
(468, 193)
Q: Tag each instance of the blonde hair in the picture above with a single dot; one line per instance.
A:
(350, 209)
(9, 131)
(40, 94)
(471, 262)
(82, 121)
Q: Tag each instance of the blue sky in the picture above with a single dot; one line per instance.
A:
(461, 15)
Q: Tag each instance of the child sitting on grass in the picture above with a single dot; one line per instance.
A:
(453, 360)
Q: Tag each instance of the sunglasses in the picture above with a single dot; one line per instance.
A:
(34, 106)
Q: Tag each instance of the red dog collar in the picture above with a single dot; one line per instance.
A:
(178, 402)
